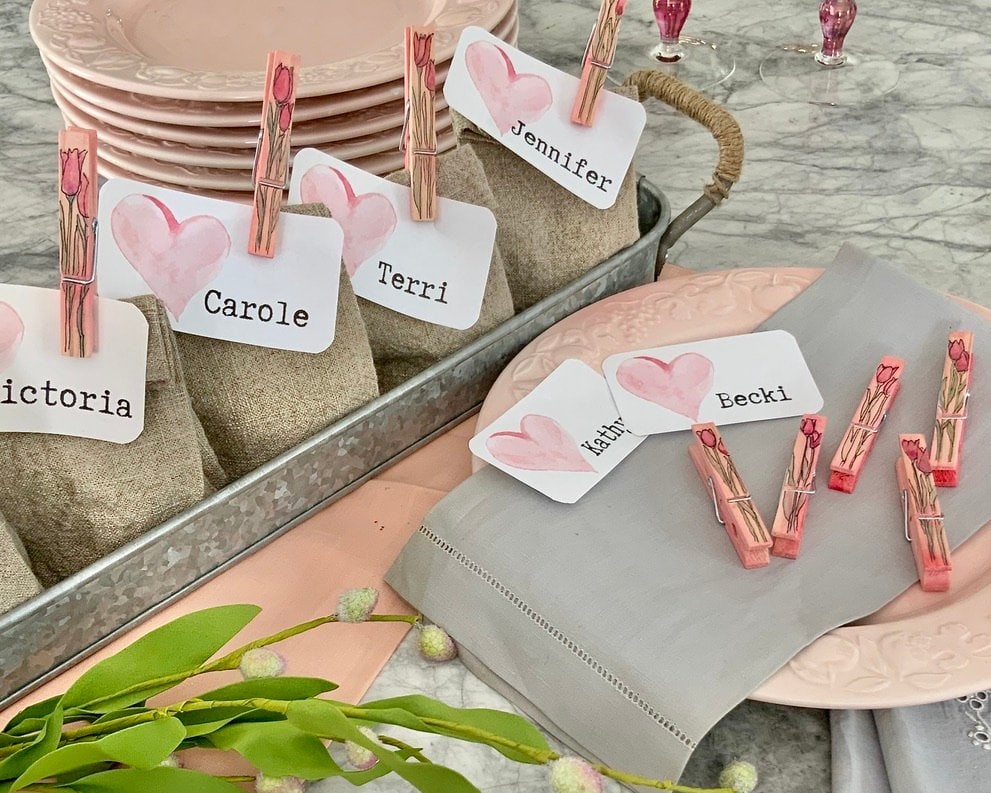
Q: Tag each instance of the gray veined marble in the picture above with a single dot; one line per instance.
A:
(906, 179)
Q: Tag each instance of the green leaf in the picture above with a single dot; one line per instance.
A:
(44, 742)
(284, 688)
(508, 726)
(203, 722)
(153, 780)
(278, 748)
(174, 649)
(324, 719)
(142, 746)
(37, 713)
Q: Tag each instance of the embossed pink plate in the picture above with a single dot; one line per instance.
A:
(921, 647)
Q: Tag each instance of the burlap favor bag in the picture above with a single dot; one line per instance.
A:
(404, 346)
(256, 402)
(17, 582)
(74, 500)
(548, 237)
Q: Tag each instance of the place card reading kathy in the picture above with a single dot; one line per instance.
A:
(435, 271)
(101, 396)
(731, 380)
(562, 438)
(192, 253)
(526, 105)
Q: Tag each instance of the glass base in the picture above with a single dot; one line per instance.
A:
(794, 73)
(704, 62)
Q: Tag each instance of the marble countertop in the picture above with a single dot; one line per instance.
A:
(906, 179)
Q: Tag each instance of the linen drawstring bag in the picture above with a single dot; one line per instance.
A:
(74, 500)
(548, 236)
(17, 582)
(256, 403)
(404, 346)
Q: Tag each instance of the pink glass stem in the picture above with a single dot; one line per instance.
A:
(670, 16)
(836, 18)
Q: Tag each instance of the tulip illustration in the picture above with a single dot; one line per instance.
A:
(912, 449)
(923, 463)
(815, 438)
(421, 48)
(72, 171)
(885, 373)
(955, 348)
(808, 426)
(282, 83)
(708, 438)
(962, 364)
(285, 117)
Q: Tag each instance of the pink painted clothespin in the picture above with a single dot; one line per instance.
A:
(951, 409)
(859, 438)
(419, 136)
(924, 526)
(77, 202)
(732, 502)
(597, 60)
(798, 488)
(271, 172)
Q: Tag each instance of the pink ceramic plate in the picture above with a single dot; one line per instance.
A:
(215, 51)
(921, 647)
(200, 177)
(237, 159)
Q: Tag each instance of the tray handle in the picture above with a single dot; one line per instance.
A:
(698, 107)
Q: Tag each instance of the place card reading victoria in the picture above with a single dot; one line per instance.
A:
(562, 438)
(435, 271)
(191, 252)
(731, 380)
(101, 396)
(526, 105)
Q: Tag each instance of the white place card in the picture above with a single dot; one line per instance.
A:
(100, 397)
(191, 252)
(526, 105)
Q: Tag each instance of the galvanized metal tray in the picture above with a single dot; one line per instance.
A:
(53, 631)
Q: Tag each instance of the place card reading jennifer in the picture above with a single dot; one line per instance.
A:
(435, 271)
(191, 252)
(562, 438)
(100, 397)
(731, 380)
(526, 105)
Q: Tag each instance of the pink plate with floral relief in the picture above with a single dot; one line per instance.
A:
(921, 647)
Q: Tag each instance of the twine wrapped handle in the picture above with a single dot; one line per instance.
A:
(724, 129)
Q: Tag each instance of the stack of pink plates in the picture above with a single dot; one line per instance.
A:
(174, 87)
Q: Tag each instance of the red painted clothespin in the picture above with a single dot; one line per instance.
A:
(77, 203)
(924, 526)
(419, 136)
(951, 410)
(271, 172)
(734, 507)
(858, 440)
(597, 60)
(798, 488)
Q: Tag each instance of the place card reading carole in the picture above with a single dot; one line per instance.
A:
(192, 253)
(562, 438)
(526, 105)
(731, 380)
(101, 396)
(435, 271)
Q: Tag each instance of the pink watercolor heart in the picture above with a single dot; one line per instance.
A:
(11, 334)
(509, 97)
(368, 220)
(541, 445)
(175, 259)
(679, 386)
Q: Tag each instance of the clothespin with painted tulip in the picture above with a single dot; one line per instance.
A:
(597, 60)
(798, 488)
(924, 526)
(77, 205)
(951, 408)
(271, 171)
(419, 136)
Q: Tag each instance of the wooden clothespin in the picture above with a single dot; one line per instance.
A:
(77, 205)
(597, 60)
(271, 172)
(951, 409)
(858, 440)
(798, 488)
(732, 502)
(923, 517)
(419, 136)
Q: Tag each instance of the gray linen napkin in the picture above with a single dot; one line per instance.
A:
(626, 619)
(940, 748)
